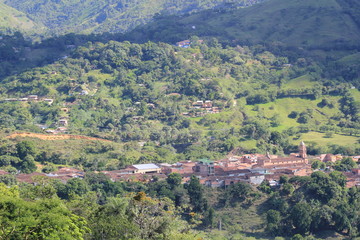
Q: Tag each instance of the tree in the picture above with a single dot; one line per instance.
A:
(345, 165)
(237, 192)
(301, 217)
(287, 189)
(283, 179)
(265, 187)
(40, 219)
(293, 114)
(317, 164)
(9, 180)
(76, 186)
(25, 148)
(196, 194)
(174, 180)
(273, 219)
(339, 178)
(27, 165)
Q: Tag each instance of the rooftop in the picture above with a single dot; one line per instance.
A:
(145, 166)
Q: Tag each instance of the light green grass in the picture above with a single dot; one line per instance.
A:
(353, 59)
(283, 107)
(299, 82)
(321, 140)
(248, 144)
(356, 94)
(12, 18)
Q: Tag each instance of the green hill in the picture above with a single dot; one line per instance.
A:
(11, 18)
(301, 23)
(138, 93)
(108, 15)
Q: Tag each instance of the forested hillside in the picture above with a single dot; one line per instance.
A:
(108, 15)
(325, 24)
(147, 93)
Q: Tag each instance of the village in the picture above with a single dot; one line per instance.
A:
(249, 168)
(197, 108)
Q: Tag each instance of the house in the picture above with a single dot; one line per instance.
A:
(184, 44)
(61, 129)
(353, 178)
(11, 99)
(33, 97)
(328, 158)
(49, 100)
(204, 167)
(174, 94)
(84, 92)
(51, 131)
(184, 167)
(198, 104)
(255, 178)
(146, 168)
(137, 118)
(64, 174)
(63, 122)
(356, 158)
(151, 105)
(207, 104)
(215, 110)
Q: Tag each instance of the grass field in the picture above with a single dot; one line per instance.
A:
(12, 18)
(300, 82)
(321, 140)
(356, 94)
(283, 107)
(353, 59)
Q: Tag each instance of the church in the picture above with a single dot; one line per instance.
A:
(293, 159)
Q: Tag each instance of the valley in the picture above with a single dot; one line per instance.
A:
(207, 119)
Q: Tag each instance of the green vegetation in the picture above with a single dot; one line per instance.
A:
(102, 16)
(322, 140)
(262, 85)
(124, 93)
(96, 207)
(12, 19)
(321, 24)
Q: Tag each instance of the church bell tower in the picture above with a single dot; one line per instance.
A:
(302, 150)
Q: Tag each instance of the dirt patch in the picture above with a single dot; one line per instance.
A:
(54, 137)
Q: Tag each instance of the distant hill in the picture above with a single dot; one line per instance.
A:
(90, 16)
(11, 18)
(306, 23)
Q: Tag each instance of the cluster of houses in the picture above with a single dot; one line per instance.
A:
(201, 108)
(250, 168)
(62, 123)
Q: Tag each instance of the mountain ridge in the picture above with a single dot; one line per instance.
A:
(108, 15)
(320, 24)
